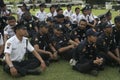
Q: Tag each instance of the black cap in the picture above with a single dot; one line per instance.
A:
(20, 26)
(50, 19)
(60, 16)
(89, 7)
(117, 19)
(42, 5)
(58, 27)
(42, 24)
(108, 13)
(101, 16)
(85, 8)
(91, 32)
(106, 25)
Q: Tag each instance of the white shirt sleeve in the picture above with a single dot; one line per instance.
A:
(8, 47)
(30, 47)
(1, 40)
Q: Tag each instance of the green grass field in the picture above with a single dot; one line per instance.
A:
(62, 70)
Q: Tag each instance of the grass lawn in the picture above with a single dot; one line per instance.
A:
(63, 71)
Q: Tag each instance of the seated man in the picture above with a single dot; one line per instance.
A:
(42, 43)
(107, 46)
(15, 49)
(88, 60)
(64, 45)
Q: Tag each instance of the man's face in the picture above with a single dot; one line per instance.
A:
(42, 8)
(60, 20)
(68, 8)
(22, 32)
(118, 24)
(58, 32)
(93, 38)
(77, 11)
(82, 24)
(108, 30)
(60, 12)
(12, 22)
(52, 9)
(44, 30)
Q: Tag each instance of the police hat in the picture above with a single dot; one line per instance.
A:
(42, 5)
(60, 16)
(108, 13)
(117, 19)
(89, 7)
(20, 26)
(58, 27)
(91, 32)
(85, 8)
(42, 24)
(101, 16)
(106, 25)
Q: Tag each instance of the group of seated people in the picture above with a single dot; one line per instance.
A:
(87, 41)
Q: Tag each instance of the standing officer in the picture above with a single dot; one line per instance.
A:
(15, 49)
(79, 33)
(88, 60)
(108, 16)
(107, 46)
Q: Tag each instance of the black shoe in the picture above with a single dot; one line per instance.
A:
(34, 72)
(94, 73)
(47, 63)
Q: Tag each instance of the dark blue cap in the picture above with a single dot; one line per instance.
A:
(50, 19)
(20, 26)
(106, 25)
(91, 32)
(117, 19)
(85, 8)
(42, 5)
(108, 13)
(42, 24)
(101, 16)
(59, 27)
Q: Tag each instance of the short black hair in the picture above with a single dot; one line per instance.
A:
(11, 18)
(59, 9)
(117, 19)
(83, 20)
(52, 6)
(76, 8)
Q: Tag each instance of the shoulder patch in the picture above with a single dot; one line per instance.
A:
(8, 45)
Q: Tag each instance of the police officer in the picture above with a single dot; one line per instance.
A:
(42, 43)
(62, 42)
(15, 49)
(30, 22)
(8, 30)
(108, 16)
(116, 30)
(79, 33)
(88, 60)
(41, 15)
(101, 23)
(106, 45)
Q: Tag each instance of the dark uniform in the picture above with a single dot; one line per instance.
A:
(62, 41)
(106, 43)
(85, 54)
(30, 22)
(78, 33)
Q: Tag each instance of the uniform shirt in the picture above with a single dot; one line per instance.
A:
(5, 13)
(19, 13)
(67, 13)
(78, 33)
(42, 40)
(9, 31)
(51, 15)
(1, 40)
(75, 17)
(86, 50)
(85, 17)
(60, 41)
(106, 43)
(116, 32)
(17, 48)
(41, 15)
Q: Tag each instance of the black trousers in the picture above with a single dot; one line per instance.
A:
(23, 66)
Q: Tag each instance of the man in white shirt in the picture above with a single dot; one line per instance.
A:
(52, 12)
(68, 12)
(41, 15)
(15, 49)
(8, 30)
(75, 18)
